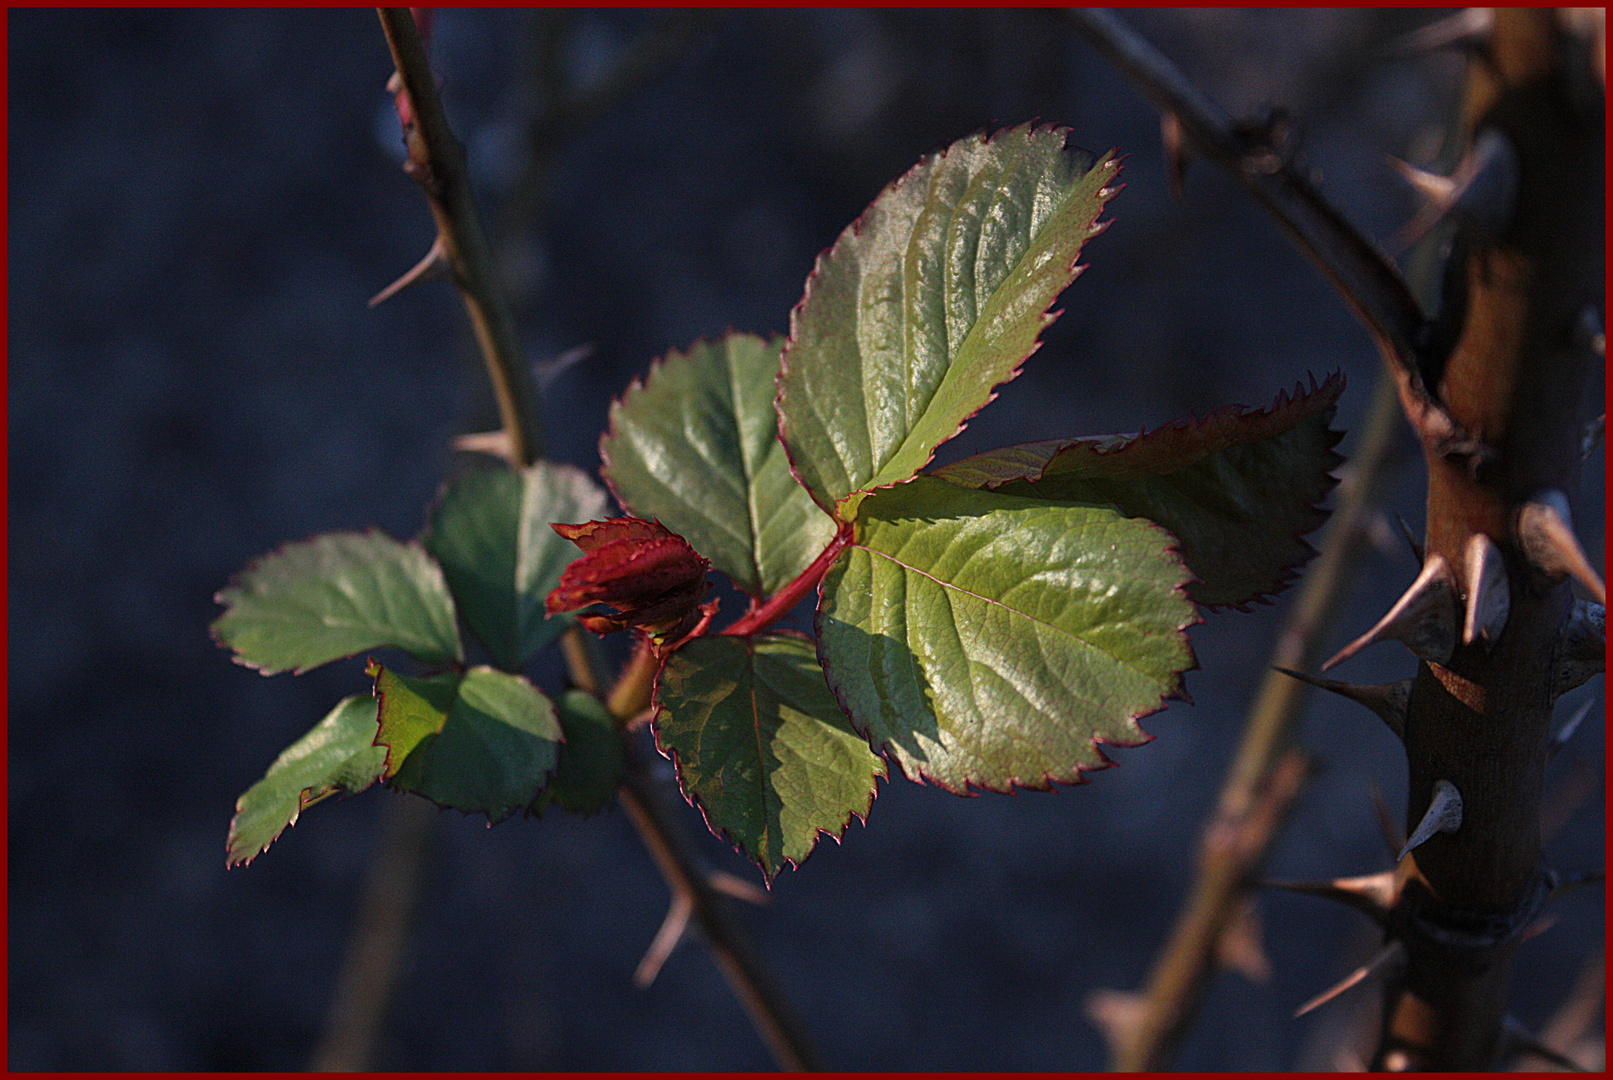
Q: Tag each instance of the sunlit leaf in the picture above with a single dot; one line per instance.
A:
(929, 301)
(990, 641)
(338, 755)
(335, 595)
(761, 746)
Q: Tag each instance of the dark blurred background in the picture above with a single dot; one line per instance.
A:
(200, 204)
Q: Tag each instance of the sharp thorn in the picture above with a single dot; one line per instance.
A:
(1424, 618)
(1435, 189)
(1390, 955)
(433, 265)
(1393, 838)
(545, 372)
(1566, 732)
(1582, 647)
(1546, 535)
(666, 939)
(496, 443)
(1487, 183)
(1536, 928)
(1372, 894)
(1174, 143)
(1489, 599)
(1117, 1014)
(1239, 946)
(1469, 29)
(1517, 1039)
(1388, 700)
(1565, 883)
(738, 888)
(1411, 541)
(1444, 815)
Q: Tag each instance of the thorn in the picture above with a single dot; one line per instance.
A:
(1239, 947)
(1174, 143)
(1416, 548)
(1517, 1039)
(1566, 732)
(738, 888)
(1393, 838)
(1536, 928)
(1117, 1014)
(496, 443)
(1389, 956)
(1468, 29)
(1388, 700)
(1482, 192)
(1565, 883)
(1444, 815)
(1488, 598)
(1371, 894)
(1424, 619)
(666, 939)
(1582, 646)
(1546, 534)
(545, 372)
(434, 265)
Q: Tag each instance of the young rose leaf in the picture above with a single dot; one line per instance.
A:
(696, 446)
(490, 531)
(991, 641)
(761, 746)
(338, 755)
(1238, 488)
(481, 741)
(929, 301)
(591, 759)
(335, 595)
(651, 576)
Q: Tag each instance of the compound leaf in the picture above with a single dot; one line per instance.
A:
(929, 301)
(481, 741)
(761, 746)
(992, 641)
(338, 755)
(1238, 488)
(696, 446)
(490, 531)
(335, 595)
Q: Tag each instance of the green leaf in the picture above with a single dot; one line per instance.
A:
(490, 531)
(1238, 488)
(761, 746)
(696, 446)
(335, 595)
(338, 755)
(483, 741)
(990, 641)
(930, 300)
(592, 760)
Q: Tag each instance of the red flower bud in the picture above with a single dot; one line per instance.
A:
(648, 573)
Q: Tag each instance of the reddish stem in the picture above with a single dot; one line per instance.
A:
(781, 602)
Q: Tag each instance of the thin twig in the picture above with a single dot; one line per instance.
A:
(437, 163)
(1381, 299)
(1366, 280)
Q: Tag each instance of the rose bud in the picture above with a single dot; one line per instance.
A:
(649, 574)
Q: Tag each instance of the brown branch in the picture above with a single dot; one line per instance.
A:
(1368, 282)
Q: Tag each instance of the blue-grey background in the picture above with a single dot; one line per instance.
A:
(200, 204)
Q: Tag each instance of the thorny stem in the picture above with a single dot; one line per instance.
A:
(437, 163)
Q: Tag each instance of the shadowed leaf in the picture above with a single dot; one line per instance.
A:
(591, 759)
(490, 531)
(482, 741)
(696, 446)
(335, 595)
(1238, 488)
(761, 745)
